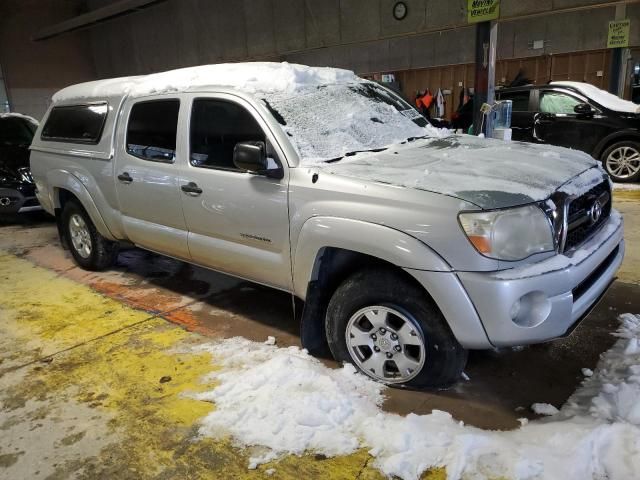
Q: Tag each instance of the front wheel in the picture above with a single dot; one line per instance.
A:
(90, 250)
(622, 161)
(390, 330)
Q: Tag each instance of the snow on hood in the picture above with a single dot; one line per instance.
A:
(604, 98)
(489, 173)
(251, 77)
(20, 115)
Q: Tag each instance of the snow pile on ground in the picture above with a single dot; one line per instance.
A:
(604, 98)
(251, 77)
(285, 401)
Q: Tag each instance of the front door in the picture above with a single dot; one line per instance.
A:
(147, 182)
(557, 123)
(238, 222)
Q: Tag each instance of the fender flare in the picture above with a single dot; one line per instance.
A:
(620, 135)
(62, 179)
(372, 239)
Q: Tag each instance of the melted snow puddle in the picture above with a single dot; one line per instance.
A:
(283, 401)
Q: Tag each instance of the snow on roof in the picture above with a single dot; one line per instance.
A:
(20, 115)
(251, 77)
(604, 98)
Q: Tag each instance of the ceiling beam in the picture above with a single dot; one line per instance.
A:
(94, 17)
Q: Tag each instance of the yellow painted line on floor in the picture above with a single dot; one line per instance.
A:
(626, 195)
(136, 368)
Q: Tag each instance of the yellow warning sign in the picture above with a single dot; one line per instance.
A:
(482, 10)
(619, 34)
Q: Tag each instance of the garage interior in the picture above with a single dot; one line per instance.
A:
(97, 370)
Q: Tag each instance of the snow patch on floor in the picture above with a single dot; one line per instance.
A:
(544, 409)
(283, 401)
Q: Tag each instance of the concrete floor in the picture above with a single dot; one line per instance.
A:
(92, 378)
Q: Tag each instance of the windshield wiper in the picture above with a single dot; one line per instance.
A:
(351, 154)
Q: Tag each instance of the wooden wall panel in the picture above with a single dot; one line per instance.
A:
(591, 67)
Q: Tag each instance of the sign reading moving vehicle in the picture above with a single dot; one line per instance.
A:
(619, 33)
(482, 10)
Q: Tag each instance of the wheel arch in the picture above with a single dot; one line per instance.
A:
(66, 187)
(330, 249)
(622, 136)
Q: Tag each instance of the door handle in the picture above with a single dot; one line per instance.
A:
(191, 189)
(124, 177)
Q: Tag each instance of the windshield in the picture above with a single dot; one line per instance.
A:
(325, 123)
(16, 131)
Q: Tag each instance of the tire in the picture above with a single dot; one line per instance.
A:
(89, 249)
(622, 161)
(423, 341)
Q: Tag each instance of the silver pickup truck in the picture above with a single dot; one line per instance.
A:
(408, 245)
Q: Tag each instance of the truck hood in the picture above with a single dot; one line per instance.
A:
(489, 173)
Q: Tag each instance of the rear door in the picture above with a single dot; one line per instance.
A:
(522, 115)
(238, 222)
(147, 181)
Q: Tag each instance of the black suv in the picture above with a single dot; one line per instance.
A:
(17, 191)
(581, 116)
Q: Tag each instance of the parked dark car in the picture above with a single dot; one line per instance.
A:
(580, 116)
(17, 190)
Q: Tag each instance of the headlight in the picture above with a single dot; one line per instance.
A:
(511, 234)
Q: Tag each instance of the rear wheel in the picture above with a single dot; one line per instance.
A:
(622, 161)
(389, 329)
(90, 250)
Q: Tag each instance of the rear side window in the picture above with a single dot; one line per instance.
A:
(76, 123)
(520, 100)
(152, 128)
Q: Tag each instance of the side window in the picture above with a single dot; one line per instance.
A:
(152, 128)
(520, 100)
(76, 123)
(216, 127)
(556, 102)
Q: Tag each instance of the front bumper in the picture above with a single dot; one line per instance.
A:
(556, 293)
(14, 201)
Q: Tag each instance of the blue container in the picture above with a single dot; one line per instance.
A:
(503, 114)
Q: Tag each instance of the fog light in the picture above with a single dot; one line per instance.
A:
(530, 310)
(5, 201)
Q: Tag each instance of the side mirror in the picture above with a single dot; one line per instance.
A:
(250, 156)
(583, 109)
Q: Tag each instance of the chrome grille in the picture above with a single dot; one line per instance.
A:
(586, 214)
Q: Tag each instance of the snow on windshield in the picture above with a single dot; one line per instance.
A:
(328, 121)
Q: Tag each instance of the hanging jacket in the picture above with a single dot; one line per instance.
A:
(427, 99)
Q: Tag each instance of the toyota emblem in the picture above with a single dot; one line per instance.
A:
(595, 212)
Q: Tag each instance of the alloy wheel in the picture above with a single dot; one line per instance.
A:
(623, 162)
(80, 236)
(386, 344)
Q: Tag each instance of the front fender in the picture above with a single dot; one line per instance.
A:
(378, 241)
(62, 179)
